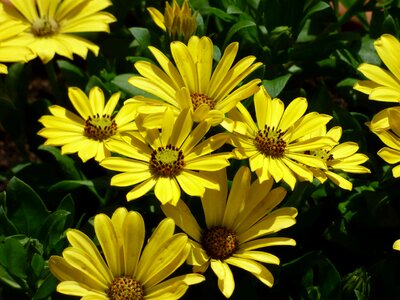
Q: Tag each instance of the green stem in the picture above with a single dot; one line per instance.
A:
(54, 83)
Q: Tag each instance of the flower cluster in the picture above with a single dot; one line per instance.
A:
(384, 85)
(178, 142)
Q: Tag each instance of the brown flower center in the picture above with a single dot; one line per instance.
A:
(199, 99)
(270, 142)
(43, 27)
(166, 162)
(219, 242)
(100, 128)
(125, 288)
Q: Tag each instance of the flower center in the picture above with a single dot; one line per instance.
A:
(43, 27)
(125, 288)
(100, 128)
(166, 162)
(199, 99)
(219, 242)
(270, 142)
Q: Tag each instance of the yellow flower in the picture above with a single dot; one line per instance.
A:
(178, 22)
(272, 142)
(342, 157)
(168, 160)
(390, 136)
(89, 133)
(192, 83)
(127, 268)
(384, 85)
(396, 245)
(52, 25)
(237, 226)
(10, 48)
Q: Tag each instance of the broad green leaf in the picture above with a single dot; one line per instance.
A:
(13, 256)
(69, 185)
(141, 35)
(46, 288)
(67, 165)
(6, 226)
(25, 208)
(71, 73)
(53, 229)
(7, 279)
(275, 86)
(37, 264)
(237, 27)
(121, 81)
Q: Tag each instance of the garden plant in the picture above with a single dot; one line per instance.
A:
(200, 149)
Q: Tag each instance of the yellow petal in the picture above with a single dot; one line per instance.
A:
(226, 282)
(107, 237)
(183, 218)
(386, 46)
(237, 196)
(141, 189)
(157, 17)
(80, 101)
(396, 245)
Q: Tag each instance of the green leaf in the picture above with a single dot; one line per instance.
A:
(72, 73)
(13, 257)
(275, 86)
(53, 229)
(121, 81)
(6, 226)
(141, 35)
(220, 14)
(96, 81)
(237, 27)
(47, 288)
(321, 5)
(67, 165)
(69, 185)
(25, 208)
(37, 264)
(6, 278)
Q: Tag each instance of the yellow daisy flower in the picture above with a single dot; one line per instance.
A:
(10, 50)
(390, 137)
(52, 25)
(129, 269)
(342, 157)
(178, 22)
(89, 133)
(192, 83)
(383, 85)
(396, 245)
(272, 142)
(237, 226)
(168, 160)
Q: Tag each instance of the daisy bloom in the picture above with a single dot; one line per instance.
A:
(383, 85)
(128, 268)
(167, 160)
(192, 83)
(89, 133)
(391, 138)
(396, 245)
(10, 48)
(272, 142)
(237, 227)
(53, 25)
(178, 22)
(342, 157)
